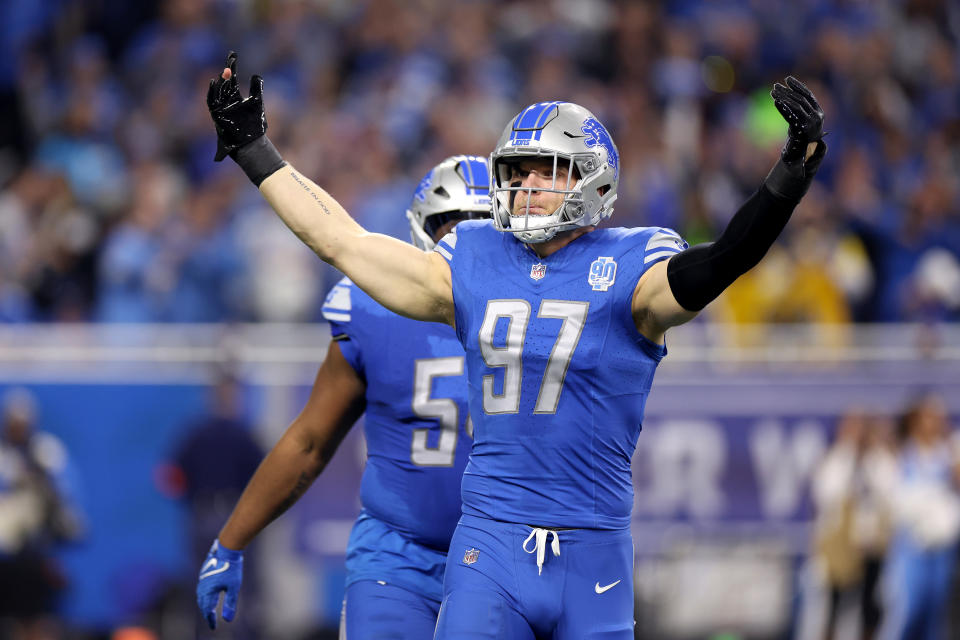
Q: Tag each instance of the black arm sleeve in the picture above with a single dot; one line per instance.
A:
(701, 273)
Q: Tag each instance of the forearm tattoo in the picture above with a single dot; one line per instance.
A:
(313, 195)
(303, 483)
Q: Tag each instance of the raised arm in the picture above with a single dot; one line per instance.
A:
(335, 403)
(396, 274)
(674, 291)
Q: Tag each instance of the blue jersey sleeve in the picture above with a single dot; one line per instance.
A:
(660, 245)
(447, 246)
(460, 262)
(338, 310)
(647, 247)
(643, 248)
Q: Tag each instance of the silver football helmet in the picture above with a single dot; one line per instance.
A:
(455, 189)
(570, 136)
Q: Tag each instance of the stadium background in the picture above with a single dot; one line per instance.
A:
(135, 272)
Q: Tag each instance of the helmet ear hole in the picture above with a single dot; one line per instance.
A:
(603, 190)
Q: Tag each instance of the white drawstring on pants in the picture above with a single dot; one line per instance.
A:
(541, 545)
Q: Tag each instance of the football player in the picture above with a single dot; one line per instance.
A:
(409, 377)
(563, 325)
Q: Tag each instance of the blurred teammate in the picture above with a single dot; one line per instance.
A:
(563, 326)
(409, 376)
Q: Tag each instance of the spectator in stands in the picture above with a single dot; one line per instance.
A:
(851, 492)
(926, 519)
(36, 514)
(677, 81)
(836, 555)
(873, 517)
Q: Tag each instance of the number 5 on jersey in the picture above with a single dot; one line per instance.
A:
(443, 409)
(509, 356)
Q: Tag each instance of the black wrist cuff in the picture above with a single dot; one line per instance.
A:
(792, 175)
(259, 159)
(786, 183)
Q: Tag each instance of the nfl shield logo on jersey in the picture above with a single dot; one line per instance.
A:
(538, 270)
(470, 556)
(603, 271)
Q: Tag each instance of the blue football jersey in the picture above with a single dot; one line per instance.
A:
(558, 374)
(417, 425)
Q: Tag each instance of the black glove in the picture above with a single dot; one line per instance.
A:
(238, 120)
(791, 177)
(242, 124)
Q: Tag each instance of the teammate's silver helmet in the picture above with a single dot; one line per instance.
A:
(457, 188)
(571, 136)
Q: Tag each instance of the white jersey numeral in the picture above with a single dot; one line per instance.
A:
(509, 356)
(574, 315)
(444, 409)
(517, 313)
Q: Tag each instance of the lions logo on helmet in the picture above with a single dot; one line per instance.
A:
(455, 189)
(421, 191)
(597, 134)
(566, 134)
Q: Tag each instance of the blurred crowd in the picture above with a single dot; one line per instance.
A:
(113, 210)
(888, 525)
